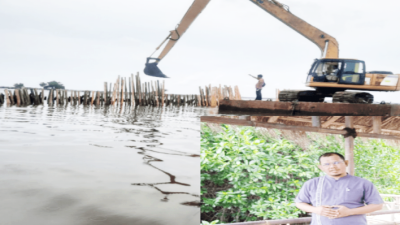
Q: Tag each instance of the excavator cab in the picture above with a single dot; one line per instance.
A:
(340, 71)
(152, 69)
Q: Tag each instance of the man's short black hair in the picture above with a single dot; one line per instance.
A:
(327, 154)
(259, 75)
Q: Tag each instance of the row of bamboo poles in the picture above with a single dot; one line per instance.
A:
(129, 91)
(21, 97)
(212, 96)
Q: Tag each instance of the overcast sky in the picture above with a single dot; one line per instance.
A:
(85, 43)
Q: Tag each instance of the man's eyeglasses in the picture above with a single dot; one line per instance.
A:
(334, 163)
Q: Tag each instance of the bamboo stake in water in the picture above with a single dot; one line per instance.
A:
(105, 94)
(122, 92)
(126, 91)
(113, 94)
(163, 86)
(16, 91)
(8, 101)
(56, 96)
(43, 96)
(23, 101)
(36, 97)
(139, 85)
(97, 98)
(130, 92)
(133, 91)
(156, 97)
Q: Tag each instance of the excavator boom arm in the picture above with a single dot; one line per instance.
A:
(194, 10)
(327, 44)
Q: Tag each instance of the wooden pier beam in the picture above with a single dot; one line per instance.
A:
(265, 108)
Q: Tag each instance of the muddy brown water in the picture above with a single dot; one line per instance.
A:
(73, 165)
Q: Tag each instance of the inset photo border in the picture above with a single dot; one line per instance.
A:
(265, 170)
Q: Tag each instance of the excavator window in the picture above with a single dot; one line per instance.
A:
(327, 68)
(352, 72)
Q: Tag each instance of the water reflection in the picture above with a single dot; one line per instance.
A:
(93, 165)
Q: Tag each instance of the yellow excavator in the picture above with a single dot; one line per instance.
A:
(329, 75)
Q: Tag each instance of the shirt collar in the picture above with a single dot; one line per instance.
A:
(342, 178)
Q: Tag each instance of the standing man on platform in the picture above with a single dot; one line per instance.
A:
(338, 197)
(260, 84)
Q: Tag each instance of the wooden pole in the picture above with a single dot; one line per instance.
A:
(8, 101)
(126, 90)
(85, 97)
(105, 94)
(133, 91)
(163, 86)
(48, 97)
(377, 124)
(97, 98)
(130, 91)
(11, 97)
(238, 93)
(118, 97)
(139, 90)
(43, 96)
(51, 96)
(64, 96)
(16, 91)
(37, 102)
(213, 102)
(23, 102)
(114, 93)
(277, 95)
(208, 97)
(56, 96)
(349, 146)
(316, 121)
(145, 93)
(23, 96)
(156, 96)
(92, 100)
(122, 92)
(220, 97)
(109, 94)
(201, 97)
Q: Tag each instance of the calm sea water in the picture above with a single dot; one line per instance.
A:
(93, 166)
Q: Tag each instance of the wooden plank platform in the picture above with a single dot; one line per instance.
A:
(265, 108)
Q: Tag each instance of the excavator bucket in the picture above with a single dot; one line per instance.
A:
(152, 69)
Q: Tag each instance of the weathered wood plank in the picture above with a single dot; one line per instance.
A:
(265, 108)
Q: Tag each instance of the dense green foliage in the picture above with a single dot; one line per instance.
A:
(247, 177)
(43, 84)
(52, 85)
(18, 85)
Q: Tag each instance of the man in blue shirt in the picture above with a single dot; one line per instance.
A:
(338, 198)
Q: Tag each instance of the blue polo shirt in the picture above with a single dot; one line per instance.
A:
(349, 191)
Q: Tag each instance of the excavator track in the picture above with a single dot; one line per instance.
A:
(302, 96)
(353, 97)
